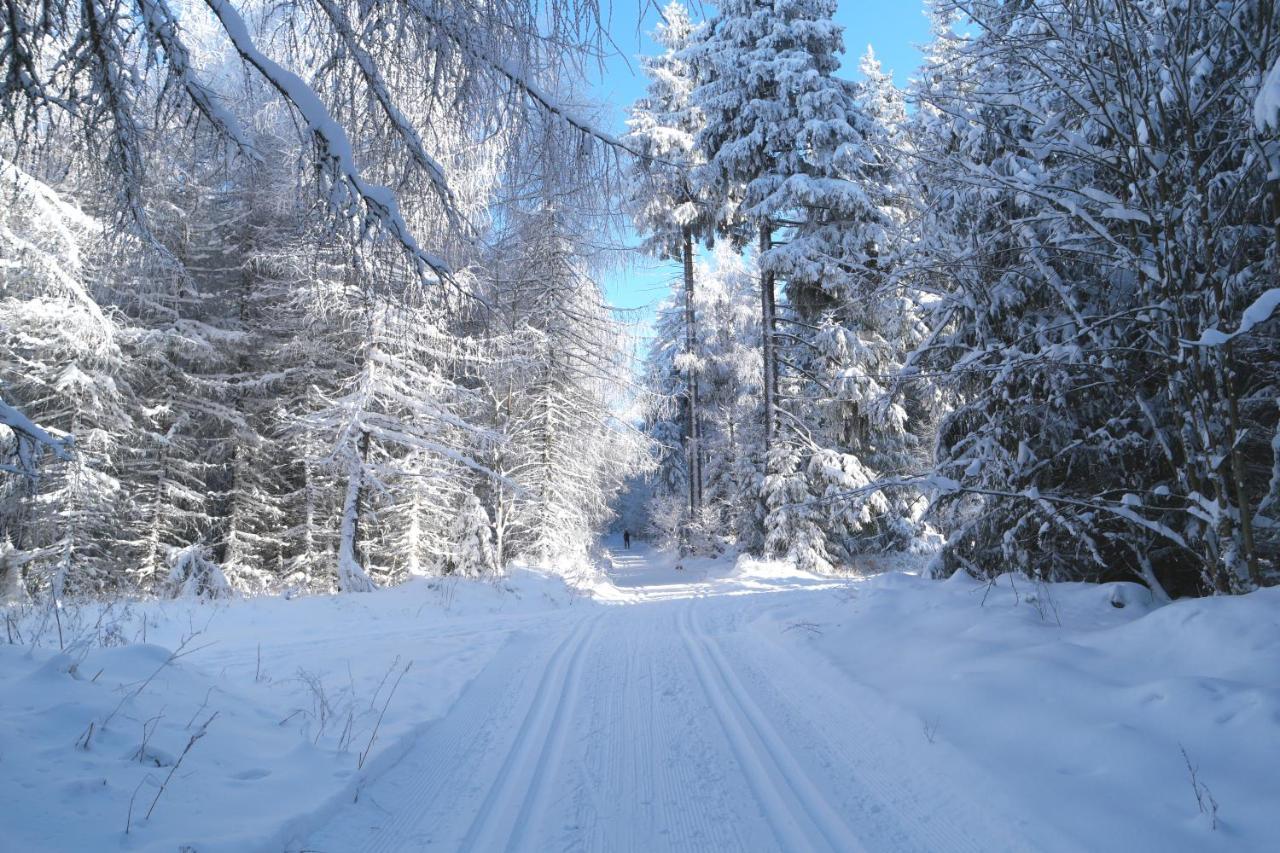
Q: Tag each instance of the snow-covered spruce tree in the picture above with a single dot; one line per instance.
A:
(570, 453)
(738, 97)
(557, 357)
(851, 335)
(194, 574)
(668, 210)
(256, 318)
(1091, 232)
(205, 468)
(302, 290)
(392, 404)
(728, 299)
(808, 162)
(728, 351)
(470, 543)
(60, 364)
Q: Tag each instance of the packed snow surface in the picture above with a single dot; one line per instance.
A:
(704, 705)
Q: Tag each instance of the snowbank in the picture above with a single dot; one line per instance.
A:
(290, 695)
(1088, 706)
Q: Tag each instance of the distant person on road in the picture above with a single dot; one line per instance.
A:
(626, 539)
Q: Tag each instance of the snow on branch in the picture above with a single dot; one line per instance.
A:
(1257, 313)
(378, 88)
(1266, 109)
(32, 432)
(163, 29)
(521, 82)
(333, 148)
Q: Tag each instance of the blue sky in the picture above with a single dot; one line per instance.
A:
(895, 28)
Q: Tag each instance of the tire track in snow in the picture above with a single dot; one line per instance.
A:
(795, 808)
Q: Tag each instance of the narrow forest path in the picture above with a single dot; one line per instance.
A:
(663, 724)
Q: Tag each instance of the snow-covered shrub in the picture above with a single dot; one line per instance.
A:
(194, 574)
(12, 589)
(471, 552)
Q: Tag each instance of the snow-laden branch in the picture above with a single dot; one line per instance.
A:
(1256, 314)
(333, 148)
(378, 88)
(943, 485)
(33, 432)
(1266, 108)
(521, 82)
(163, 29)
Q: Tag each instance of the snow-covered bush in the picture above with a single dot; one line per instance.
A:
(194, 574)
(471, 553)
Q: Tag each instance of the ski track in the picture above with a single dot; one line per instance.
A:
(417, 802)
(798, 814)
(879, 783)
(664, 725)
(521, 782)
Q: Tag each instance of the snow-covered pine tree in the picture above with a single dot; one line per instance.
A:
(728, 351)
(60, 363)
(572, 453)
(470, 552)
(810, 163)
(669, 212)
(851, 333)
(393, 403)
(206, 469)
(194, 574)
(1090, 232)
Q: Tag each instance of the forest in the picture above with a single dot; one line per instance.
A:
(306, 296)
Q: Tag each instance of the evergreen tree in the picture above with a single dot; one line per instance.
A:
(1089, 232)
(669, 210)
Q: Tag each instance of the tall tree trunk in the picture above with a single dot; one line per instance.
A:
(693, 438)
(767, 324)
(308, 517)
(352, 576)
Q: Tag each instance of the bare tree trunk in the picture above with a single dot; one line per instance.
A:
(352, 576)
(693, 421)
(767, 324)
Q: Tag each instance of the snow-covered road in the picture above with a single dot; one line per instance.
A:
(662, 724)
(730, 704)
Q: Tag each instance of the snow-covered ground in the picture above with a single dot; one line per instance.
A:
(717, 705)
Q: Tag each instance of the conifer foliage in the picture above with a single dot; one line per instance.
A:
(247, 378)
(1039, 323)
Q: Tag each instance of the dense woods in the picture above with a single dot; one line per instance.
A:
(301, 334)
(1000, 307)
(305, 296)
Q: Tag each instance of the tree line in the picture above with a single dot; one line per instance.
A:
(302, 296)
(1021, 309)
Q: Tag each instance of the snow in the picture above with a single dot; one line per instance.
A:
(334, 145)
(1258, 312)
(282, 676)
(20, 423)
(1077, 707)
(1266, 108)
(701, 703)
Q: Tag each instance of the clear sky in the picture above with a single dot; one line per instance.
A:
(896, 29)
